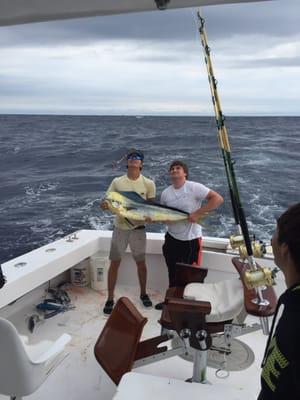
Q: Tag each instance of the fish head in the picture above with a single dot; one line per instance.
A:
(115, 202)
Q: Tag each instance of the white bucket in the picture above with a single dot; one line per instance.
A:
(99, 264)
(80, 273)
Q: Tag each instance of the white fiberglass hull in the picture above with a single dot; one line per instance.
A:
(31, 270)
(80, 376)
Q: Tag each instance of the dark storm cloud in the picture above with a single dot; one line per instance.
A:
(153, 62)
(275, 18)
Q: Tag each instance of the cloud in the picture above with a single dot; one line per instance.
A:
(277, 18)
(271, 18)
(289, 62)
(153, 62)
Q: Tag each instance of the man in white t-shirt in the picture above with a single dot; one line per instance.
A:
(183, 239)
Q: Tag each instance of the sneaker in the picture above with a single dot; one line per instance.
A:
(108, 307)
(146, 300)
(159, 306)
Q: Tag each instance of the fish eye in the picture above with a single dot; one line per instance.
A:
(116, 204)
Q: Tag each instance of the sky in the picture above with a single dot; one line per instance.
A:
(153, 64)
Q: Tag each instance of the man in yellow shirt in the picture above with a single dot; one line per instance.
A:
(129, 232)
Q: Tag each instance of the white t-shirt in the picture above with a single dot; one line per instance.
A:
(187, 198)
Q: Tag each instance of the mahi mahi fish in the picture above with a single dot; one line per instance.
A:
(132, 206)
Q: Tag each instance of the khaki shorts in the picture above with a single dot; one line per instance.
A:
(121, 238)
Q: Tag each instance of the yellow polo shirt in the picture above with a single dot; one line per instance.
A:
(143, 186)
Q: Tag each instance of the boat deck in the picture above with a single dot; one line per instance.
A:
(79, 376)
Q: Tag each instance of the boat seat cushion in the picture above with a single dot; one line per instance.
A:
(226, 298)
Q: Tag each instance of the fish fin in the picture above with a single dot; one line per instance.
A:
(130, 208)
(139, 199)
(134, 197)
(153, 203)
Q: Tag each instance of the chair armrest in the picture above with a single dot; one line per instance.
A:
(56, 348)
(186, 273)
(187, 306)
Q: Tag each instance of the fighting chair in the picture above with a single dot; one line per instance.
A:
(193, 311)
(24, 367)
(225, 297)
(230, 299)
(118, 349)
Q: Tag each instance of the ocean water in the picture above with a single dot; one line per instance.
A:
(54, 170)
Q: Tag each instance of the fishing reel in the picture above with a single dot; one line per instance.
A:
(259, 277)
(236, 241)
(254, 277)
(258, 247)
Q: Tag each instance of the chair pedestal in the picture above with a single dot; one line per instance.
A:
(265, 325)
(199, 366)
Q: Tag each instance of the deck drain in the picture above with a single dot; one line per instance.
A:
(50, 250)
(20, 264)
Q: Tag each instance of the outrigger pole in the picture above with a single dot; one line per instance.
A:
(237, 208)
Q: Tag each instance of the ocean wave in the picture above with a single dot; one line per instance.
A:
(55, 170)
(38, 189)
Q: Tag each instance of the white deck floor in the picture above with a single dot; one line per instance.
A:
(80, 377)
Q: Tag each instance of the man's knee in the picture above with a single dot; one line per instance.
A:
(141, 264)
(114, 264)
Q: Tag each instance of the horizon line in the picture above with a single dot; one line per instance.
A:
(147, 115)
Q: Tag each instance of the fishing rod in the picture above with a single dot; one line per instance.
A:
(237, 207)
(253, 276)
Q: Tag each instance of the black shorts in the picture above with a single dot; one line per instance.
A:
(183, 251)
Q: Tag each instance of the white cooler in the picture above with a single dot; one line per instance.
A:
(99, 264)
